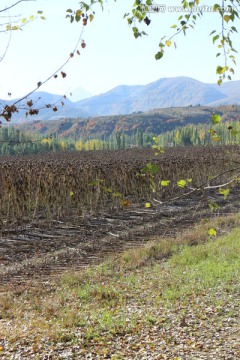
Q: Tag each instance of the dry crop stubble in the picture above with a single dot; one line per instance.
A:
(54, 187)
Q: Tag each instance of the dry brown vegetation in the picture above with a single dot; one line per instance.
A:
(71, 184)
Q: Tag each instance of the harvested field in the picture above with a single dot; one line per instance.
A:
(61, 211)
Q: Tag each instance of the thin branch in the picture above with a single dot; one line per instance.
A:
(186, 23)
(52, 75)
(13, 5)
(223, 38)
(222, 185)
(7, 47)
(41, 83)
(203, 187)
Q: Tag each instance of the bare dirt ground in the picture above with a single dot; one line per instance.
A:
(42, 251)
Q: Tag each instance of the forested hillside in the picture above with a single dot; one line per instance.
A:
(155, 121)
(172, 127)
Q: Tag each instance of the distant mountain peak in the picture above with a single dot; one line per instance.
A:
(79, 94)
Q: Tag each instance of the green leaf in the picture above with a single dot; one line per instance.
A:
(234, 132)
(216, 119)
(118, 194)
(224, 192)
(69, 11)
(165, 182)
(212, 232)
(106, 189)
(213, 206)
(149, 166)
(154, 169)
(215, 38)
(212, 32)
(159, 55)
(149, 2)
(182, 183)
(216, 138)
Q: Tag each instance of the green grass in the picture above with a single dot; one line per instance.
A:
(142, 288)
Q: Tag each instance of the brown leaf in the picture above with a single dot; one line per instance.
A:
(55, 108)
(33, 111)
(29, 103)
(63, 74)
(183, 322)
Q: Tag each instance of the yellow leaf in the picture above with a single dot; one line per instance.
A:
(147, 205)
(212, 232)
(168, 43)
(125, 203)
(31, 17)
(71, 193)
(216, 138)
(226, 18)
(1, 348)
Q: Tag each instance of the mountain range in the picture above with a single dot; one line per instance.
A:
(125, 99)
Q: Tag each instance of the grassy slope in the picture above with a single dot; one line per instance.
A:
(168, 300)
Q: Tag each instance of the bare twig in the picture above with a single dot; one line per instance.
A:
(13, 5)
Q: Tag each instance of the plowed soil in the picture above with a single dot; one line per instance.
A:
(37, 253)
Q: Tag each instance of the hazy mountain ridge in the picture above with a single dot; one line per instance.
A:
(166, 92)
(125, 99)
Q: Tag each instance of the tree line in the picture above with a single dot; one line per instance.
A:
(14, 141)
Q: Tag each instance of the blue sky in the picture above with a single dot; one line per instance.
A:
(112, 55)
